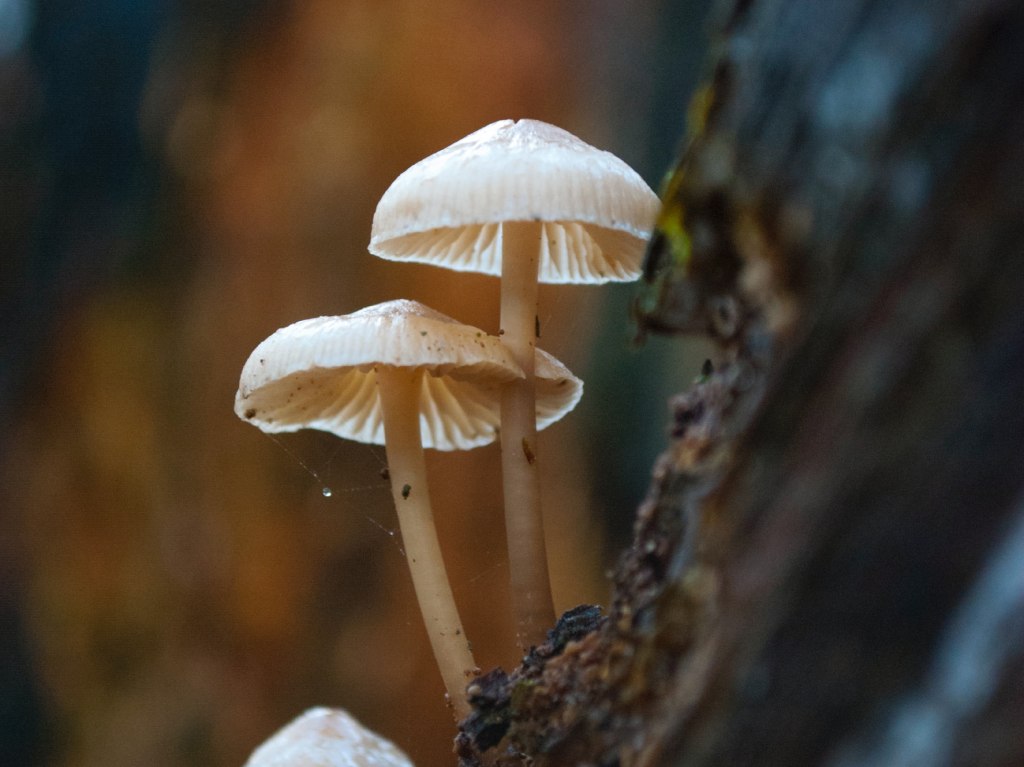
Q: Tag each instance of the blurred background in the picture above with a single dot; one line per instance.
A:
(177, 181)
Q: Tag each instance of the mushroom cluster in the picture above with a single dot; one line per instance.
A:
(520, 199)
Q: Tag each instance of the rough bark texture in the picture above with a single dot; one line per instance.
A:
(829, 568)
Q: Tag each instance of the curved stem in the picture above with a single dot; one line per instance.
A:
(524, 526)
(400, 393)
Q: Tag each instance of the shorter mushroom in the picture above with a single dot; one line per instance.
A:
(327, 737)
(405, 376)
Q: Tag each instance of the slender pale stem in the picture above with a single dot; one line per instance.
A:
(528, 563)
(400, 393)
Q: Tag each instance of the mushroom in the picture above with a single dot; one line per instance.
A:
(405, 376)
(529, 202)
(327, 737)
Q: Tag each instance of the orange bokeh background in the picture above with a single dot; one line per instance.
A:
(178, 584)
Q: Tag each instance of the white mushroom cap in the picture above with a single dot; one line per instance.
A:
(446, 210)
(325, 737)
(320, 374)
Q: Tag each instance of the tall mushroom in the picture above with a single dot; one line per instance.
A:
(529, 202)
(405, 376)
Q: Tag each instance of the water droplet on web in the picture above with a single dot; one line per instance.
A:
(327, 492)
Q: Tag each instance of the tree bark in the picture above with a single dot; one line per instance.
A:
(829, 568)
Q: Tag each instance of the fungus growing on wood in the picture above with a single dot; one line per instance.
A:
(405, 376)
(532, 203)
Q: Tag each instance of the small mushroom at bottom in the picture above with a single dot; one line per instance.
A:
(327, 736)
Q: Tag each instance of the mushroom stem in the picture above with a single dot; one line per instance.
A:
(524, 526)
(399, 394)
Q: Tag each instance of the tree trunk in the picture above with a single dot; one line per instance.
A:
(829, 568)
